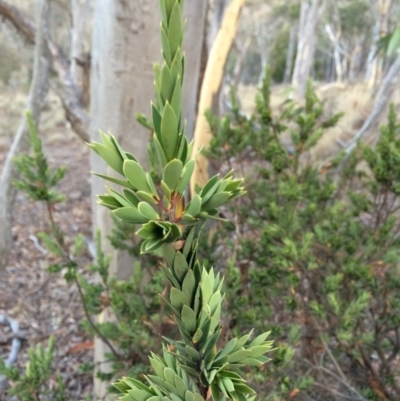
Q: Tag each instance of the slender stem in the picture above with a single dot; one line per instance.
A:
(66, 256)
(92, 324)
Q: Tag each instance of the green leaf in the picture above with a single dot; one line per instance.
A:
(130, 215)
(197, 336)
(147, 196)
(209, 189)
(239, 355)
(186, 176)
(216, 201)
(189, 284)
(176, 101)
(215, 301)
(78, 245)
(170, 277)
(175, 29)
(152, 186)
(115, 180)
(178, 298)
(169, 132)
(259, 339)
(51, 244)
(121, 199)
(167, 85)
(169, 254)
(192, 353)
(172, 173)
(180, 387)
(136, 175)
(227, 349)
(169, 376)
(166, 190)
(110, 156)
(194, 206)
(109, 201)
(188, 317)
(181, 267)
(131, 197)
(165, 46)
(147, 211)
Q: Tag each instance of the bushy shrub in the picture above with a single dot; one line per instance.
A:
(139, 316)
(316, 251)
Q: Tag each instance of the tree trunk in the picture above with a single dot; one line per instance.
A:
(211, 86)
(375, 65)
(36, 98)
(384, 95)
(195, 59)
(214, 16)
(336, 52)
(309, 16)
(79, 11)
(290, 54)
(125, 45)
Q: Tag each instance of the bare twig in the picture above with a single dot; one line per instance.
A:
(15, 345)
(67, 90)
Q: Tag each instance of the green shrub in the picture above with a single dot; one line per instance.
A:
(317, 251)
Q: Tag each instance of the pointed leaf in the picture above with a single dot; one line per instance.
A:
(189, 318)
(147, 211)
(136, 175)
(172, 173)
(169, 132)
(130, 215)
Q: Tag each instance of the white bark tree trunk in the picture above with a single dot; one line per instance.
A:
(375, 71)
(196, 14)
(36, 98)
(216, 12)
(309, 16)
(335, 39)
(79, 12)
(124, 48)
(383, 98)
(290, 53)
(125, 45)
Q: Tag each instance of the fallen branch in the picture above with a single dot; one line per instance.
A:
(383, 98)
(15, 345)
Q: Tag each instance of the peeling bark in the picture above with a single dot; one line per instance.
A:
(211, 85)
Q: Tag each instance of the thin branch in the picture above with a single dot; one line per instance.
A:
(67, 90)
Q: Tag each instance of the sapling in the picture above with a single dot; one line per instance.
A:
(196, 367)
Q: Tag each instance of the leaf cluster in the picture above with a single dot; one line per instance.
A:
(319, 252)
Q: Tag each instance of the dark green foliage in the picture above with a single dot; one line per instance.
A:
(195, 367)
(138, 311)
(37, 179)
(34, 383)
(317, 257)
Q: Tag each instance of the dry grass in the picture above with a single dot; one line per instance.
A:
(356, 101)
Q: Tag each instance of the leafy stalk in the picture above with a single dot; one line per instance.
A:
(194, 367)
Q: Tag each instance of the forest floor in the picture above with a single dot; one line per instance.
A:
(42, 303)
